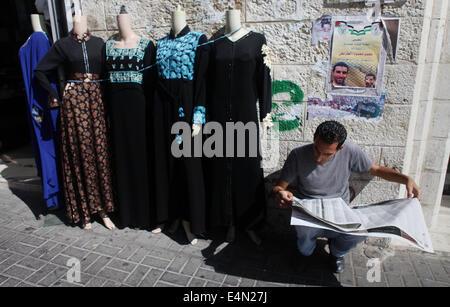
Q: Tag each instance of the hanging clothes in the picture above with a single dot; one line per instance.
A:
(42, 119)
(179, 97)
(86, 172)
(128, 111)
(239, 75)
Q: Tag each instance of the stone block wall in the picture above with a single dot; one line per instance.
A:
(287, 27)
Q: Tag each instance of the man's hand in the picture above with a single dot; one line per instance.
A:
(413, 189)
(284, 198)
(389, 174)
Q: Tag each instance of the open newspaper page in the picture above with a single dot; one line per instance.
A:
(402, 218)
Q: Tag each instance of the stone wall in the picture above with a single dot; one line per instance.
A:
(287, 27)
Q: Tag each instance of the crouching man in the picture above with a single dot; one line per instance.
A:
(322, 170)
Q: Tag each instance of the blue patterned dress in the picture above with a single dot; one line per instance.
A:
(128, 92)
(179, 97)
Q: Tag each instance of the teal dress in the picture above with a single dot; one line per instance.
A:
(127, 93)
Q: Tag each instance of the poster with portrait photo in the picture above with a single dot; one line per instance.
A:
(357, 56)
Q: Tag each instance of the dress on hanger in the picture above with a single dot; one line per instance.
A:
(179, 97)
(86, 171)
(128, 91)
(238, 76)
(42, 119)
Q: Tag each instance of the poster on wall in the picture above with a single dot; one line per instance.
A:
(347, 107)
(321, 30)
(357, 56)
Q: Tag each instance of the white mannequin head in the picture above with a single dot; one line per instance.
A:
(178, 20)
(38, 23)
(79, 23)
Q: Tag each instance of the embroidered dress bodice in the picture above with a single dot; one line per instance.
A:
(176, 56)
(126, 64)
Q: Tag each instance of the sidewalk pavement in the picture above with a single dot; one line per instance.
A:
(36, 248)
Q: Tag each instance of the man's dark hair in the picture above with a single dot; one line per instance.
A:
(371, 75)
(340, 64)
(331, 132)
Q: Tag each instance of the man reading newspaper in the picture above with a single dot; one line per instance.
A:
(322, 170)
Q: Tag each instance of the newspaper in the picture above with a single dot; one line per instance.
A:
(401, 218)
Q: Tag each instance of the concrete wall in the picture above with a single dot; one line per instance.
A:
(394, 140)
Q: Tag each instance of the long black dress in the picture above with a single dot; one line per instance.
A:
(86, 170)
(127, 104)
(179, 97)
(238, 77)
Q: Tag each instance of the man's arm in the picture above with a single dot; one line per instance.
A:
(282, 197)
(389, 174)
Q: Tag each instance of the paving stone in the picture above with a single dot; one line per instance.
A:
(176, 279)
(43, 249)
(137, 276)
(11, 260)
(32, 263)
(21, 248)
(196, 282)
(411, 280)
(231, 280)
(3, 279)
(61, 260)
(58, 274)
(42, 273)
(33, 241)
(65, 284)
(112, 274)
(210, 275)
(112, 284)
(394, 280)
(178, 263)
(18, 272)
(434, 283)
(127, 252)
(25, 285)
(49, 255)
(192, 266)
(75, 252)
(11, 282)
(96, 282)
(122, 265)
(106, 250)
(139, 255)
(439, 273)
(151, 278)
(98, 265)
(155, 262)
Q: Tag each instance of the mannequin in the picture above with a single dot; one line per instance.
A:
(187, 171)
(79, 24)
(80, 28)
(128, 90)
(127, 37)
(178, 20)
(81, 192)
(237, 185)
(42, 120)
(38, 23)
(233, 23)
(178, 24)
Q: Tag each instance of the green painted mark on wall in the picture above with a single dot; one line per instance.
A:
(293, 119)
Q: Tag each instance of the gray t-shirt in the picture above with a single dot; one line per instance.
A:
(324, 181)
